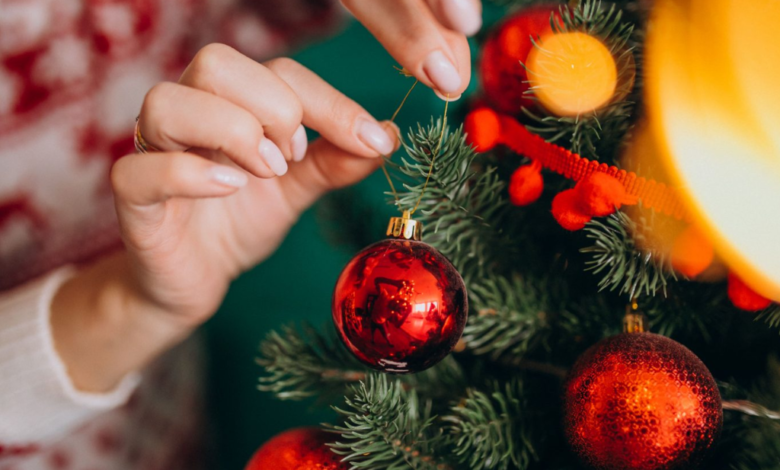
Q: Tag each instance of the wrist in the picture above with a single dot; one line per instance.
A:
(103, 327)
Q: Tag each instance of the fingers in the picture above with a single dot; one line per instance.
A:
(326, 167)
(175, 117)
(223, 71)
(143, 180)
(413, 35)
(336, 117)
(464, 16)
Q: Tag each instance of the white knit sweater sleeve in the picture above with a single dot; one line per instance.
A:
(38, 401)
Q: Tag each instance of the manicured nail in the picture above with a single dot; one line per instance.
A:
(441, 72)
(396, 131)
(227, 176)
(373, 135)
(299, 144)
(272, 156)
(463, 15)
(447, 98)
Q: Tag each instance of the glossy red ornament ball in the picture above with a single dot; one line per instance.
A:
(297, 449)
(503, 76)
(400, 306)
(640, 401)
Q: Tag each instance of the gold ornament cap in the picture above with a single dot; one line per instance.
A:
(634, 321)
(404, 227)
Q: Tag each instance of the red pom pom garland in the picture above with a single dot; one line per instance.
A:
(654, 195)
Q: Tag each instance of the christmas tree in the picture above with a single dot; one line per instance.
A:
(551, 215)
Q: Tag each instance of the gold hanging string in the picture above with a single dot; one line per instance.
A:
(435, 154)
(433, 157)
(384, 168)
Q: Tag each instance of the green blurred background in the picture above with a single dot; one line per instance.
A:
(295, 284)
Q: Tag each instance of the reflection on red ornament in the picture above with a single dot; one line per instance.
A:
(298, 449)
(400, 306)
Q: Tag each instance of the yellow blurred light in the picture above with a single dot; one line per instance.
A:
(714, 107)
(572, 73)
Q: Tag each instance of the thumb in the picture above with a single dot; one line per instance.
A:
(325, 168)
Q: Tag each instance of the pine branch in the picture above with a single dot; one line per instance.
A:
(625, 266)
(386, 427)
(770, 315)
(489, 430)
(511, 317)
(462, 208)
(301, 363)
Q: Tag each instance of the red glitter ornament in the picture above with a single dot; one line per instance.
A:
(399, 305)
(297, 449)
(640, 401)
(504, 78)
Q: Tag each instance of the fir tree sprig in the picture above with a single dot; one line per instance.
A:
(387, 427)
(488, 430)
(461, 208)
(770, 315)
(623, 265)
(302, 362)
(511, 317)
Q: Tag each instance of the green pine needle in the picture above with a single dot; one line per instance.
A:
(489, 430)
(301, 363)
(511, 317)
(385, 427)
(617, 256)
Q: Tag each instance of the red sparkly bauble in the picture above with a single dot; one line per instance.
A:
(297, 449)
(503, 76)
(400, 306)
(640, 401)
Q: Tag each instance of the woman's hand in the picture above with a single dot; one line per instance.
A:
(209, 205)
(427, 37)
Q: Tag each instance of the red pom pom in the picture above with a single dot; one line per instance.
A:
(566, 211)
(745, 298)
(692, 252)
(483, 129)
(526, 184)
(600, 194)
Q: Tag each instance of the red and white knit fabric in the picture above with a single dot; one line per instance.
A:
(73, 74)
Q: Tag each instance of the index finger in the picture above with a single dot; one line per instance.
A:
(438, 56)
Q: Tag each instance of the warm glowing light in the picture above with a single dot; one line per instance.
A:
(572, 73)
(714, 105)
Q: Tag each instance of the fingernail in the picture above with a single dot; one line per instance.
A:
(446, 97)
(228, 176)
(373, 135)
(441, 72)
(272, 156)
(299, 144)
(396, 131)
(463, 15)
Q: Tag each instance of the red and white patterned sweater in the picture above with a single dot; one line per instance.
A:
(73, 74)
